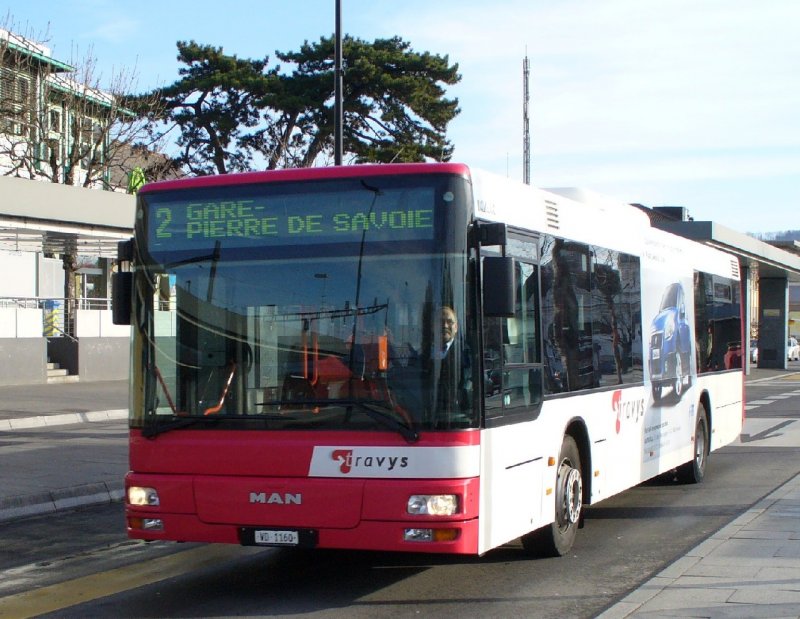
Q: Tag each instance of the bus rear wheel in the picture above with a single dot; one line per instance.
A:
(694, 471)
(556, 539)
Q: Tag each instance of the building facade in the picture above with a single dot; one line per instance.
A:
(52, 126)
(57, 237)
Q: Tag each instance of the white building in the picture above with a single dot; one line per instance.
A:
(51, 129)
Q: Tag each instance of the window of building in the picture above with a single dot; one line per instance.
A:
(55, 121)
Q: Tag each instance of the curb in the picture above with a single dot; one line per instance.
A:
(41, 421)
(17, 507)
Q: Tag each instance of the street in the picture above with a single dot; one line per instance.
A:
(78, 564)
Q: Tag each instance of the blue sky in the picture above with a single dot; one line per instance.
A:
(664, 102)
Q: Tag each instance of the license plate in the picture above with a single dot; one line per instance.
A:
(656, 354)
(277, 538)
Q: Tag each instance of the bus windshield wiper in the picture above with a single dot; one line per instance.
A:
(154, 429)
(380, 411)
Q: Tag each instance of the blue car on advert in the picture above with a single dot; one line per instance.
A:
(670, 345)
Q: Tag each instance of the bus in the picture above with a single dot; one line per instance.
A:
(412, 357)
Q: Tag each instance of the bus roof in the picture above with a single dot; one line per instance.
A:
(307, 174)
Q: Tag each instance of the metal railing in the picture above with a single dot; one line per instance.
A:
(57, 315)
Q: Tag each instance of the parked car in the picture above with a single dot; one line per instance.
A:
(792, 349)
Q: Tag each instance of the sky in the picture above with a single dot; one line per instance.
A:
(692, 103)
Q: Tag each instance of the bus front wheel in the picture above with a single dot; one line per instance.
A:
(556, 539)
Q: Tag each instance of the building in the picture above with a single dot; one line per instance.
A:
(53, 126)
(58, 238)
(41, 326)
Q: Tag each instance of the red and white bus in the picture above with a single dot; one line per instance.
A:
(416, 357)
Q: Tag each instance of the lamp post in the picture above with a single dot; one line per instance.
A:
(337, 88)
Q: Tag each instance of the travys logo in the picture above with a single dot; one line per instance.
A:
(631, 409)
(348, 461)
(396, 462)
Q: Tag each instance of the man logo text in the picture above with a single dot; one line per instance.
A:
(276, 498)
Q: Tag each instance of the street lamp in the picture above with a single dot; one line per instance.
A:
(337, 88)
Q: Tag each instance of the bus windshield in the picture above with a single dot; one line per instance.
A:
(299, 306)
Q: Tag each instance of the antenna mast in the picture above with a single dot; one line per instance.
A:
(526, 134)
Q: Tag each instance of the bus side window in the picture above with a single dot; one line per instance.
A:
(522, 371)
(512, 362)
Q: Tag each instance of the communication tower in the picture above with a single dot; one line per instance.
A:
(526, 134)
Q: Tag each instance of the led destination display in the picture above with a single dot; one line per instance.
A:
(290, 220)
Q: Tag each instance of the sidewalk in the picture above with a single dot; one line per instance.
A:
(62, 446)
(36, 406)
(65, 446)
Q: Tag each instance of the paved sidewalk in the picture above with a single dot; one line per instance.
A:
(62, 446)
(36, 406)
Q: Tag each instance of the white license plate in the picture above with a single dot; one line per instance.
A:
(656, 354)
(277, 538)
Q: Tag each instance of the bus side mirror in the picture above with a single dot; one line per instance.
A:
(122, 284)
(121, 295)
(498, 287)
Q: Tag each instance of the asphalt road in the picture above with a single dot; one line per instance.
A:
(82, 565)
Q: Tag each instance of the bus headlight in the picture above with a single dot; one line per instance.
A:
(432, 504)
(140, 495)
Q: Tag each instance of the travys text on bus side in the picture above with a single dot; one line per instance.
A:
(248, 222)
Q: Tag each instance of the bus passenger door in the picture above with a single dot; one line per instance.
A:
(512, 457)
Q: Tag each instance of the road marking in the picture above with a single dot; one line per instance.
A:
(94, 586)
(759, 402)
(779, 396)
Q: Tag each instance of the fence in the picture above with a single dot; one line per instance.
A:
(57, 317)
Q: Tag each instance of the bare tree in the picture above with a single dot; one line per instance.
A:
(63, 122)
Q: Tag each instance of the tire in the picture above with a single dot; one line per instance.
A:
(677, 386)
(656, 393)
(694, 471)
(556, 539)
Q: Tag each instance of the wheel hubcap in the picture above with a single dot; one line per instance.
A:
(678, 374)
(700, 446)
(570, 494)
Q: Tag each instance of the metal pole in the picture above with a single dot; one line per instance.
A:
(526, 134)
(337, 88)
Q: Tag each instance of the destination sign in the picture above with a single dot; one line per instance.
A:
(288, 221)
